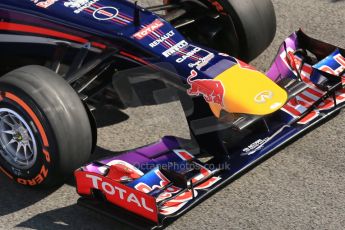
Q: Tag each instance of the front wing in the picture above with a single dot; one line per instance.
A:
(152, 186)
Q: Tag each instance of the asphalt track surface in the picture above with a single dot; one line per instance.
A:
(300, 187)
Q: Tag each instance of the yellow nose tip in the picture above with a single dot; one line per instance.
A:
(249, 91)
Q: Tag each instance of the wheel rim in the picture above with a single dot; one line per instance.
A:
(17, 140)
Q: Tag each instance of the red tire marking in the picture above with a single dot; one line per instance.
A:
(31, 114)
(6, 173)
(47, 155)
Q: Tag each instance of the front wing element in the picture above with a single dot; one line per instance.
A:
(156, 184)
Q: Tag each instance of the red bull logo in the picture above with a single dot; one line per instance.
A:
(212, 90)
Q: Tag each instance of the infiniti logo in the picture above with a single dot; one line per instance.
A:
(263, 97)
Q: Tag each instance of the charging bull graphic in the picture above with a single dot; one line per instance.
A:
(212, 90)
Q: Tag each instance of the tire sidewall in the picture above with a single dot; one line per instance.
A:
(47, 159)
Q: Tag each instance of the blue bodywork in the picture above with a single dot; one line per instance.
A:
(113, 21)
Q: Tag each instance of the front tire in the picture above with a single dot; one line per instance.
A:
(244, 29)
(45, 132)
(255, 23)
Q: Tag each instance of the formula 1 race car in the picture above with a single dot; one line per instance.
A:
(98, 50)
(59, 59)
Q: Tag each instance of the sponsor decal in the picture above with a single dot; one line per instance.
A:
(111, 189)
(118, 194)
(174, 49)
(196, 56)
(162, 39)
(263, 97)
(202, 62)
(79, 5)
(298, 105)
(105, 13)
(44, 4)
(256, 146)
(212, 90)
(155, 25)
(188, 55)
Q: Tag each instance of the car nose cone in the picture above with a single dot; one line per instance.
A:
(248, 91)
